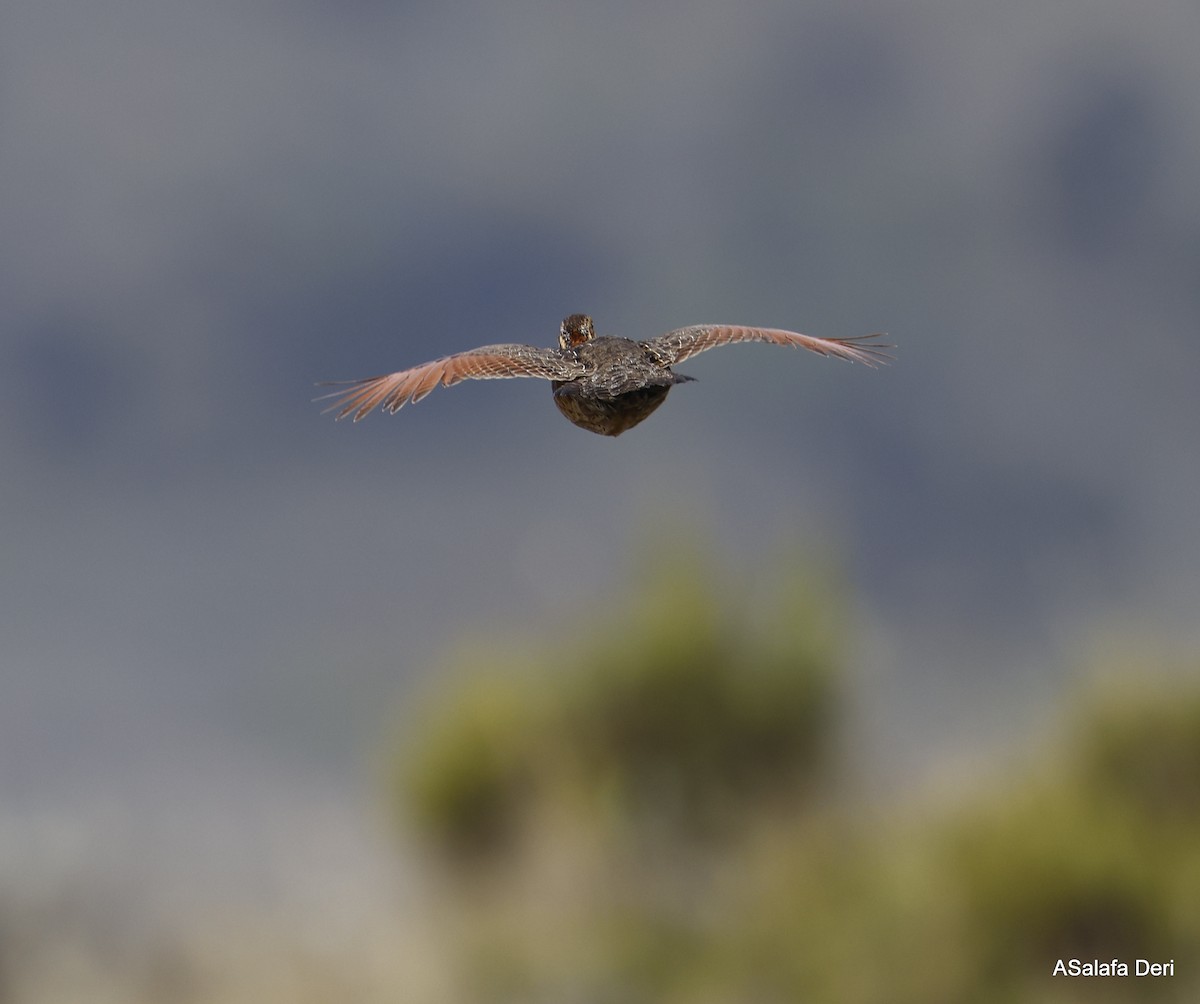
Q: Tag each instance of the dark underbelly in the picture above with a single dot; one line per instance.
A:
(607, 416)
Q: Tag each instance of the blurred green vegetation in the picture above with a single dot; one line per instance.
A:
(656, 808)
(674, 721)
(656, 803)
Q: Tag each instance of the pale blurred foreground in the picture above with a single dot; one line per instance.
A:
(659, 806)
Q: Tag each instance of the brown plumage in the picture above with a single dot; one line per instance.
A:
(603, 384)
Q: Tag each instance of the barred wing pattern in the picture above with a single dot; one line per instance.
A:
(676, 346)
(393, 391)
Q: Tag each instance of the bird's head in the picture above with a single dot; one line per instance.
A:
(575, 331)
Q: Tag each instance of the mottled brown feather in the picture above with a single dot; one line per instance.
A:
(393, 391)
(676, 346)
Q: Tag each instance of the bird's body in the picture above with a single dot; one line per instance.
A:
(621, 385)
(603, 384)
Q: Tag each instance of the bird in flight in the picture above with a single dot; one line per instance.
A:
(603, 384)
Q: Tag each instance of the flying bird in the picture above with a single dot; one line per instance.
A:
(600, 383)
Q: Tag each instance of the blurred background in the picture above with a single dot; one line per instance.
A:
(280, 698)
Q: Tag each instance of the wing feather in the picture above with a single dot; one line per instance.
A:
(675, 346)
(392, 391)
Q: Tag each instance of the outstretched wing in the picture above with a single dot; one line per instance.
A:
(675, 346)
(492, 362)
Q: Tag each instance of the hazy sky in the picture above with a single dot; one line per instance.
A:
(210, 596)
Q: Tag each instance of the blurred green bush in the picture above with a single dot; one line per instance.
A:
(655, 809)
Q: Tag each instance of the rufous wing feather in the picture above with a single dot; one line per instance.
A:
(675, 346)
(392, 391)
